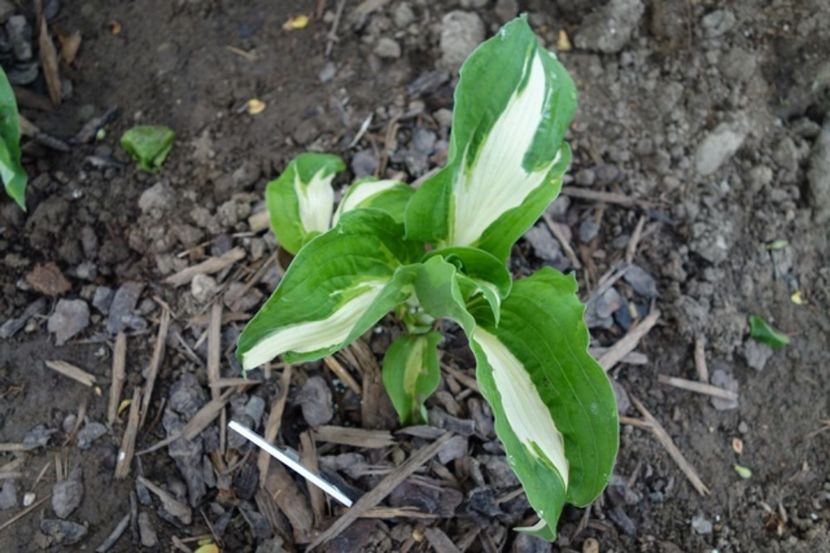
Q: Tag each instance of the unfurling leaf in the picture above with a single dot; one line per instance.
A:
(300, 202)
(11, 171)
(513, 104)
(390, 196)
(149, 145)
(411, 374)
(761, 331)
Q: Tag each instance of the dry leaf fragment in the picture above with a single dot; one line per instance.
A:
(47, 279)
(737, 445)
(563, 42)
(298, 22)
(49, 63)
(70, 44)
(255, 106)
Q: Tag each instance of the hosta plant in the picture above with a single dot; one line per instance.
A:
(440, 252)
(11, 171)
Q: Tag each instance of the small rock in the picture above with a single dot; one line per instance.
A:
(63, 532)
(68, 494)
(588, 229)
(718, 22)
(187, 396)
(158, 198)
(273, 545)
(327, 73)
(641, 281)
(506, 10)
(146, 531)
(544, 245)
(525, 543)
(608, 302)
(722, 377)
(91, 432)
(453, 449)
(623, 521)
(757, 354)
(20, 37)
(122, 306)
(47, 279)
(388, 48)
(818, 175)
(37, 437)
(364, 163)
(607, 173)
(305, 132)
(623, 401)
(29, 498)
(316, 402)
(585, 177)
(8, 495)
(738, 64)
(701, 525)
(717, 147)
(202, 287)
(255, 408)
(403, 15)
(102, 299)
(23, 74)
(609, 28)
(70, 318)
(461, 32)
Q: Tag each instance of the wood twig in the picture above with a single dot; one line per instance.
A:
(272, 425)
(119, 375)
(355, 437)
(152, 370)
(556, 230)
(196, 424)
(308, 457)
(631, 249)
(125, 454)
(604, 197)
(698, 387)
(628, 342)
(700, 358)
(71, 371)
(206, 267)
(340, 371)
(25, 512)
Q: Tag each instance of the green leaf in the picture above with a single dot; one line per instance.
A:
(337, 287)
(148, 145)
(440, 294)
(390, 196)
(411, 374)
(11, 170)
(301, 201)
(513, 105)
(761, 331)
(554, 408)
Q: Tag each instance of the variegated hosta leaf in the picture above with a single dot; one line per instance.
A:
(337, 287)
(411, 374)
(390, 196)
(300, 202)
(554, 408)
(513, 104)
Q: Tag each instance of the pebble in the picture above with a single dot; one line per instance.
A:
(90, 432)
(364, 163)
(316, 402)
(738, 64)
(122, 306)
(757, 354)
(70, 318)
(506, 10)
(544, 245)
(19, 33)
(187, 396)
(157, 199)
(202, 287)
(37, 437)
(403, 15)
(328, 72)
(588, 229)
(68, 494)
(63, 532)
(607, 174)
(461, 32)
(722, 377)
(387, 48)
(455, 448)
(23, 73)
(8, 495)
(585, 177)
(608, 302)
(145, 530)
(818, 175)
(526, 543)
(717, 147)
(641, 281)
(609, 28)
(701, 525)
(718, 22)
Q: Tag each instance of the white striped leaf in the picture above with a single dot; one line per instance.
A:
(411, 374)
(513, 104)
(337, 287)
(390, 196)
(300, 202)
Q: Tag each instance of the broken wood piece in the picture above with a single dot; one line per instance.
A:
(634, 241)
(207, 267)
(375, 402)
(631, 358)
(383, 489)
(556, 230)
(114, 536)
(628, 342)
(49, 62)
(666, 441)
(308, 456)
(355, 437)
(196, 424)
(259, 221)
(25, 512)
(214, 348)
(700, 358)
(698, 387)
(272, 424)
(71, 371)
(173, 506)
(467, 380)
(152, 370)
(283, 489)
(119, 375)
(439, 541)
(604, 197)
(397, 512)
(341, 373)
(125, 454)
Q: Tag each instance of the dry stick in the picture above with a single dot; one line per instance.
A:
(397, 512)
(331, 38)
(371, 408)
(605, 197)
(628, 342)
(125, 454)
(700, 358)
(341, 373)
(384, 488)
(698, 387)
(119, 366)
(7, 448)
(71, 371)
(563, 240)
(116, 534)
(631, 249)
(462, 377)
(232, 299)
(214, 358)
(272, 425)
(440, 542)
(24, 512)
(308, 457)
(152, 370)
(355, 437)
(195, 425)
(666, 441)
(206, 267)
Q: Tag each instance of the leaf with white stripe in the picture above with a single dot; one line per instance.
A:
(411, 374)
(301, 201)
(390, 196)
(554, 408)
(513, 105)
(337, 287)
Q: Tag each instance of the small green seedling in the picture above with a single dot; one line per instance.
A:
(440, 252)
(761, 331)
(12, 172)
(148, 145)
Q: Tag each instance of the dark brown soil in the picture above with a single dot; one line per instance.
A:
(644, 111)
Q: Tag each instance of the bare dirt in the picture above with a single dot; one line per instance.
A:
(708, 115)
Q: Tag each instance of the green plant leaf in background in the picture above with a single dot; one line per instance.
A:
(337, 287)
(513, 104)
(11, 170)
(555, 411)
(761, 331)
(411, 374)
(149, 145)
(301, 200)
(390, 196)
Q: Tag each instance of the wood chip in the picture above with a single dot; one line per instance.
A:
(173, 506)
(214, 348)
(49, 62)
(439, 541)
(698, 387)
(666, 441)
(631, 249)
(355, 437)
(397, 512)
(375, 400)
(10, 447)
(208, 267)
(71, 371)
(308, 457)
(70, 44)
(259, 221)
(152, 370)
(700, 358)
(556, 230)
(292, 502)
(383, 489)
(272, 424)
(48, 279)
(626, 345)
(604, 197)
(119, 375)
(341, 373)
(125, 454)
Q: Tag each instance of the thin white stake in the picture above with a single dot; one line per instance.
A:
(287, 459)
